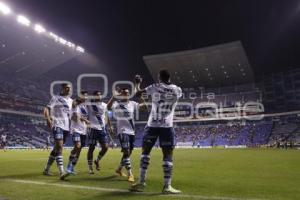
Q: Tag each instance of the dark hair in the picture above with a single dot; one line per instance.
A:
(164, 76)
(78, 100)
(63, 85)
(125, 88)
(83, 92)
(96, 92)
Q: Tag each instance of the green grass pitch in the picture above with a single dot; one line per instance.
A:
(201, 174)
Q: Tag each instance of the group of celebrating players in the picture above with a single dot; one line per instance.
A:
(86, 119)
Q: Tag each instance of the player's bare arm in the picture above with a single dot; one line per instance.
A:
(109, 125)
(48, 117)
(113, 98)
(137, 85)
(142, 104)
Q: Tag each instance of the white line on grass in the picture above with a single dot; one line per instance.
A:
(125, 191)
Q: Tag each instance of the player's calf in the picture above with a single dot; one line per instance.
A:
(168, 172)
(50, 161)
(126, 162)
(90, 158)
(145, 161)
(73, 158)
(104, 149)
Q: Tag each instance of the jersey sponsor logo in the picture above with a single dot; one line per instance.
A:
(97, 114)
(83, 112)
(63, 103)
(127, 116)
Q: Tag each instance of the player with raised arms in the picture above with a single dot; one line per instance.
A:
(79, 122)
(57, 114)
(123, 111)
(164, 97)
(97, 111)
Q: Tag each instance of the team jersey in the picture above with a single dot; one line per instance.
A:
(79, 126)
(96, 113)
(3, 138)
(164, 100)
(60, 108)
(124, 114)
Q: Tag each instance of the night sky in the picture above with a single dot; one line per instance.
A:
(120, 32)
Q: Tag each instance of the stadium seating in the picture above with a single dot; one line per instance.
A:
(31, 131)
(27, 127)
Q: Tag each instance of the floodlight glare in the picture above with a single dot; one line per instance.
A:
(70, 44)
(40, 29)
(4, 9)
(53, 35)
(63, 41)
(23, 20)
(80, 49)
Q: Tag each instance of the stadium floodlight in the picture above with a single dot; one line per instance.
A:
(39, 28)
(70, 44)
(54, 36)
(23, 20)
(4, 9)
(63, 41)
(80, 49)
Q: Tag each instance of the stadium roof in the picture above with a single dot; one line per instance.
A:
(215, 66)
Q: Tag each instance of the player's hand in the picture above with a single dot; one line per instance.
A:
(49, 123)
(138, 79)
(117, 92)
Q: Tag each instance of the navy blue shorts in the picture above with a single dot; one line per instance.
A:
(77, 137)
(166, 137)
(100, 136)
(60, 134)
(126, 141)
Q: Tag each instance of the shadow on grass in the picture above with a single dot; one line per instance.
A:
(24, 176)
(96, 178)
(127, 195)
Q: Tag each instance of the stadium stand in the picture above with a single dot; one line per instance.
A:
(21, 117)
(29, 131)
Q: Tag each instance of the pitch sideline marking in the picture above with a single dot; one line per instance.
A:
(126, 191)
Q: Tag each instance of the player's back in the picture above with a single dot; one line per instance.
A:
(164, 100)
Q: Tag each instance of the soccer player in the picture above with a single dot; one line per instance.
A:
(97, 115)
(78, 130)
(57, 114)
(3, 141)
(160, 125)
(124, 110)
